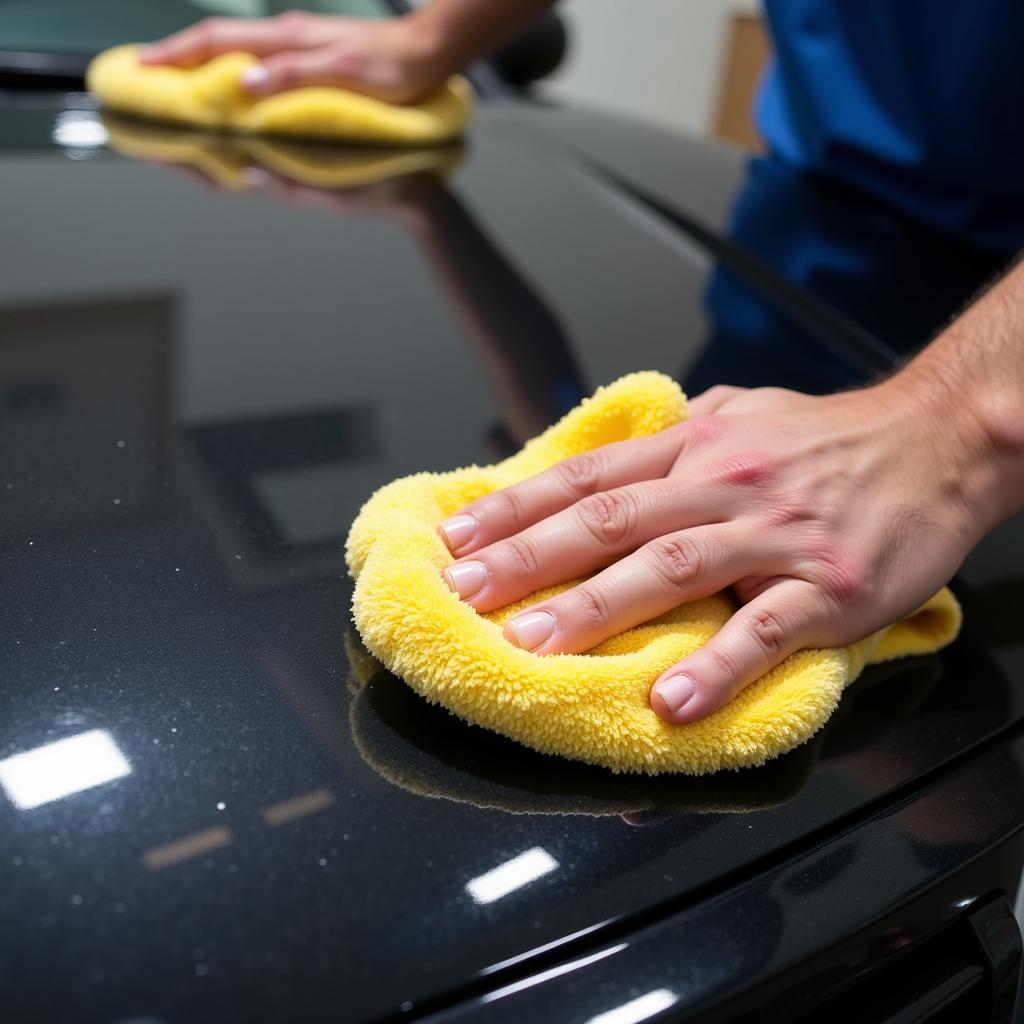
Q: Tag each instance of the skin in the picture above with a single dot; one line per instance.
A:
(830, 516)
(399, 60)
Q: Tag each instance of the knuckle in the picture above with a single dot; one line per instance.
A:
(777, 392)
(767, 631)
(608, 516)
(338, 61)
(702, 429)
(841, 576)
(721, 392)
(581, 473)
(210, 29)
(506, 507)
(727, 668)
(592, 607)
(519, 554)
(792, 508)
(293, 19)
(750, 469)
(679, 561)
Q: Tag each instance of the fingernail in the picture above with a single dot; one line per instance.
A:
(466, 578)
(530, 630)
(458, 531)
(255, 76)
(676, 691)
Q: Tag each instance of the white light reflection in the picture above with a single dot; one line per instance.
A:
(59, 769)
(638, 1009)
(538, 950)
(511, 875)
(1018, 908)
(553, 972)
(78, 129)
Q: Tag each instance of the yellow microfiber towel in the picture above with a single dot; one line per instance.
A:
(590, 707)
(226, 159)
(211, 96)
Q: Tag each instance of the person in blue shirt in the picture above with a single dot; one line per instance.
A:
(829, 515)
(912, 101)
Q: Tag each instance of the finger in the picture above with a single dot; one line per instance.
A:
(759, 636)
(337, 66)
(593, 533)
(669, 571)
(214, 36)
(709, 402)
(506, 512)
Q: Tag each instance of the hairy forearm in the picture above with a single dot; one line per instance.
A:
(969, 383)
(460, 31)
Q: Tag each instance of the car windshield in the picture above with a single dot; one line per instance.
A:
(73, 27)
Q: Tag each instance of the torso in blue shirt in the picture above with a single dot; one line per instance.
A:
(920, 101)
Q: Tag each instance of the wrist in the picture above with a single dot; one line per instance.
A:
(427, 42)
(965, 440)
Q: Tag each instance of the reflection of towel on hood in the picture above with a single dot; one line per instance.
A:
(590, 707)
(429, 752)
(424, 750)
(225, 160)
(211, 96)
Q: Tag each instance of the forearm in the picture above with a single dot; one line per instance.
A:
(460, 31)
(519, 341)
(969, 383)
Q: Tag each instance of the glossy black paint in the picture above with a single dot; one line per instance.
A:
(843, 896)
(199, 387)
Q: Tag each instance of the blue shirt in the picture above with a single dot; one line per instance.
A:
(919, 101)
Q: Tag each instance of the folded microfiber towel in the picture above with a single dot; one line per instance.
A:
(590, 707)
(211, 96)
(226, 160)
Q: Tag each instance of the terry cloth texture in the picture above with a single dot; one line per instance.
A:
(227, 160)
(590, 707)
(211, 96)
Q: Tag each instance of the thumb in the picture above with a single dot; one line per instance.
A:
(779, 621)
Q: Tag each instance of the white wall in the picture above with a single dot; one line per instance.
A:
(655, 59)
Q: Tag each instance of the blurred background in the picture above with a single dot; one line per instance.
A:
(690, 66)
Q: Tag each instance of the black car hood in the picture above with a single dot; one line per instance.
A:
(198, 388)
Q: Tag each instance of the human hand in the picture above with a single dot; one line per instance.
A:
(830, 517)
(394, 59)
